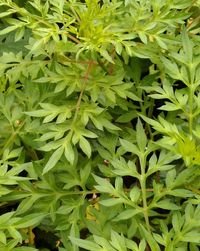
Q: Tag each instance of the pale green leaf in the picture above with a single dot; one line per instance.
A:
(105, 54)
(8, 29)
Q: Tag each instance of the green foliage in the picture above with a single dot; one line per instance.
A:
(99, 125)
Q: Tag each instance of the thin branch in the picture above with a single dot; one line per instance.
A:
(73, 38)
(87, 73)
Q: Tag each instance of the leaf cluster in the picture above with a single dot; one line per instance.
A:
(99, 125)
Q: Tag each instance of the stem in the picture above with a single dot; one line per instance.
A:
(110, 70)
(144, 190)
(82, 90)
(11, 138)
(149, 115)
(73, 38)
(190, 119)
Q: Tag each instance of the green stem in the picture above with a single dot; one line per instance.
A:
(11, 138)
(82, 91)
(144, 190)
(190, 119)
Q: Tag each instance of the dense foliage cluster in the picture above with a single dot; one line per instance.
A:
(99, 125)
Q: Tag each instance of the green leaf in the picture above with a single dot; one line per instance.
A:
(5, 217)
(71, 144)
(187, 45)
(55, 157)
(85, 173)
(37, 44)
(166, 204)
(38, 113)
(111, 202)
(69, 153)
(2, 237)
(103, 243)
(127, 214)
(129, 147)
(169, 107)
(6, 13)
(19, 34)
(26, 204)
(118, 241)
(134, 194)
(143, 37)
(88, 245)
(14, 233)
(8, 29)
(183, 193)
(192, 236)
(172, 69)
(118, 47)
(104, 185)
(170, 177)
(141, 136)
(152, 243)
(177, 222)
(108, 125)
(105, 54)
(30, 220)
(85, 146)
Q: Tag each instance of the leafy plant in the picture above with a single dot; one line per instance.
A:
(99, 119)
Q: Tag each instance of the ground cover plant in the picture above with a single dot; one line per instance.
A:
(99, 125)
